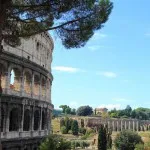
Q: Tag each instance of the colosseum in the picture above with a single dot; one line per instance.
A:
(26, 81)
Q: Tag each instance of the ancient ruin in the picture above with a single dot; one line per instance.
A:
(26, 100)
(116, 124)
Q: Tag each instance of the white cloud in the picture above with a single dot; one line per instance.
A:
(110, 106)
(108, 74)
(67, 69)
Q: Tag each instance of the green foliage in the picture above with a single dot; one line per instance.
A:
(139, 113)
(102, 139)
(73, 20)
(74, 127)
(81, 144)
(63, 108)
(82, 130)
(55, 142)
(62, 122)
(126, 140)
(67, 124)
(84, 111)
(139, 147)
(67, 110)
(73, 111)
(89, 133)
(63, 130)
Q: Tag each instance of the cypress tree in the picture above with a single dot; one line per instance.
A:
(75, 127)
(104, 138)
(102, 141)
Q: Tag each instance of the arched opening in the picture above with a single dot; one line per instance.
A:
(36, 120)
(27, 82)
(26, 122)
(15, 80)
(36, 87)
(2, 119)
(14, 120)
(3, 75)
(43, 120)
(43, 87)
(82, 123)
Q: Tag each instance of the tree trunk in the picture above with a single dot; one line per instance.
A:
(1, 26)
(0, 85)
(0, 82)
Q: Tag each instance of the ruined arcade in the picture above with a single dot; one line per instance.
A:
(26, 100)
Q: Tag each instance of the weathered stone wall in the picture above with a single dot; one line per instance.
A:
(117, 124)
(26, 99)
(38, 49)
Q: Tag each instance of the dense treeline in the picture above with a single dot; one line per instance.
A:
(138, 113)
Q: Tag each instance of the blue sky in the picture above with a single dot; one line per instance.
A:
(113, 69)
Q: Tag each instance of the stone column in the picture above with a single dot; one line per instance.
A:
(32, 85)
(121, 125)
(48, 120)
(22, 83)
(113, 124)
(46, 90)
(40, 127)
(40, 93)
(125, 125)
(7, 120)
(8, 74)
(133, 126)
(129, 125)
(22, 119)
(32, 120)
(117, 126)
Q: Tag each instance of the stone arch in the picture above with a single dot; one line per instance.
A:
(14, 119)
(36, 87)
(15, 79)
(43, 120)
(26, 122)
(36, 119)
(3, 70)
(43, 86)
(27, 81)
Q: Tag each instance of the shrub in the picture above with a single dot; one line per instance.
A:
(82, 130)
(127, 140)
(55, 142)
(139, 147)
(63, 130)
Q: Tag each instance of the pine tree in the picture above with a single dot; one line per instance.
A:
(75, 127)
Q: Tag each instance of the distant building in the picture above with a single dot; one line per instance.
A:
(99, 111)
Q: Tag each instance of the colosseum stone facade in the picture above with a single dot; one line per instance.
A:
(26, 100)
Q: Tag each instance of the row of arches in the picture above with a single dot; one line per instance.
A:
(18, 80)
(15, 118)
